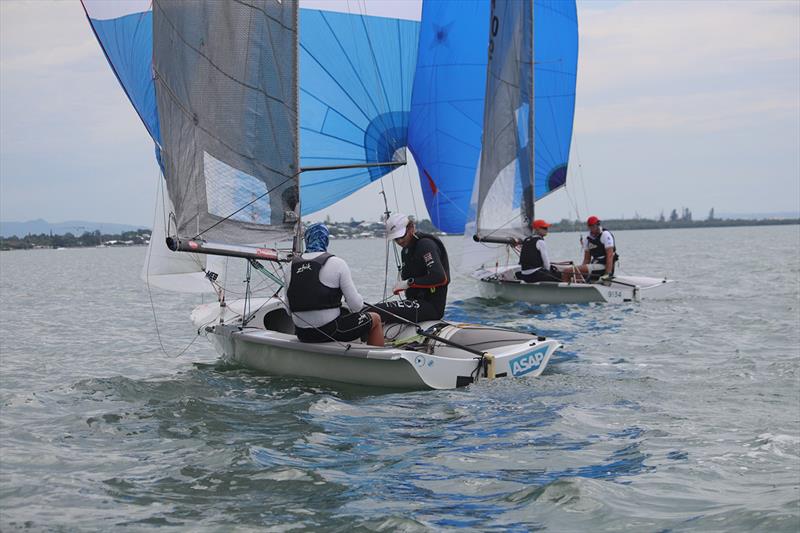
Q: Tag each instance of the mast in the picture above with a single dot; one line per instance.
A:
(532, 122)
(297, 242)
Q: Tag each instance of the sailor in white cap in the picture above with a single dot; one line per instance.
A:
(425, 273)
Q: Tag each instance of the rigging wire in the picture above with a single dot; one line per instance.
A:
(386, 239)
(159, 191)
(581, 179)
(504, 224)
(247, 316)
(248, 204)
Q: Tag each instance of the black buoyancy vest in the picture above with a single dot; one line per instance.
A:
(306, 292)
(597, 250)
(530, 257)
(414, 265)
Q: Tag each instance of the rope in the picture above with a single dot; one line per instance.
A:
(310, 326)
(247, 317)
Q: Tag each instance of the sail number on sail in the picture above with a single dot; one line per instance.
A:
(493, 28)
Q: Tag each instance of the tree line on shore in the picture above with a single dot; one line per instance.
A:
(142, 236)
(671, 223)
(69, 240)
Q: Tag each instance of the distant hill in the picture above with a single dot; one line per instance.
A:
(76, 227)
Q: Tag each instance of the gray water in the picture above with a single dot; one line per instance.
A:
(674, 414)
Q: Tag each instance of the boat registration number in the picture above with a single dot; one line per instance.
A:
(527, 363)
(614, 296)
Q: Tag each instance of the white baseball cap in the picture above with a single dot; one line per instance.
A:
(396, 226)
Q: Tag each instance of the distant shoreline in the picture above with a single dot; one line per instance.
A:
(646, 223)
(368, 230)
(93, 239)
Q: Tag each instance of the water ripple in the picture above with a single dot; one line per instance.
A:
(671, 414)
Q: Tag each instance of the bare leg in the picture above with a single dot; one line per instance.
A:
(574, 275)
(583, 274)
(375, 337)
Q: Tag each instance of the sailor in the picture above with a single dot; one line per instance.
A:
(599, 252)
(316, 281)
(533, 259)
(425, 273)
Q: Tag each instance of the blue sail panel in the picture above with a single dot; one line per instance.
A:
(356, 75)
(447, 106)
(127, 41)
(555, 75)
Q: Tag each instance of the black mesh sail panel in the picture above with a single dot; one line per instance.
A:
(226, 85)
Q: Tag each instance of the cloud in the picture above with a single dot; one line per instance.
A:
(69, 138)
(56, 81)
(699, 66)
(636, 42)
(675, 99)
(37, 35)
(60, 56)
(706, 111)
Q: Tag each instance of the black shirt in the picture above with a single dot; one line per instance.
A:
(425, 260)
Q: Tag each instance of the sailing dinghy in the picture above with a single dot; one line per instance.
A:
(527, 131)
(500, 282)
(217, 85)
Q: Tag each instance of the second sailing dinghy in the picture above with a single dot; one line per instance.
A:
(527, 131)
(229, 116)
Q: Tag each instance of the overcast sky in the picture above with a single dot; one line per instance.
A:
(680, 104)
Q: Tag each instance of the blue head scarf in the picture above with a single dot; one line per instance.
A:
(316, 237)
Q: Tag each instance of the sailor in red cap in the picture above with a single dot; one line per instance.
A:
(599, 251)
(533, 259)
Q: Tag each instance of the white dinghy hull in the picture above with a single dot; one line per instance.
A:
(423, 365)
(499, 283)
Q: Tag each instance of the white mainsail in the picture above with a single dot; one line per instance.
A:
(504, 182)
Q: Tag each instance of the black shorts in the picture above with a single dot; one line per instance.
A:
(413, 310)
(345, 328)
(539, 275)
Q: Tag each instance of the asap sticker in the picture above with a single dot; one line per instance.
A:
(524, 364)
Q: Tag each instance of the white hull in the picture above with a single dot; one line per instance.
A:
(499, 282)
(403, 367)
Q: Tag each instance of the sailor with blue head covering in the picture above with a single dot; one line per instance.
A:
(316, 282)
(316, 238)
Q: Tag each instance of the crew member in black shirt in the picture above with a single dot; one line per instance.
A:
(425, 274)
(533, 258)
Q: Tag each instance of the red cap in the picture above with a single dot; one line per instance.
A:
(592, 221)
(539, 223)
